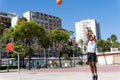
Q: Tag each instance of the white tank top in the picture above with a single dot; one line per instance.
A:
(91, 47)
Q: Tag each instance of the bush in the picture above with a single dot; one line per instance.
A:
(80, 63)
(10, 67)
(13, 67)
(3, 67)
(87, 63)
(66, 57)
(54, 63)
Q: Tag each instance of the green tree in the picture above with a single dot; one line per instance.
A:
(45, 43)
(108, 39)
(2, 38)
(81, 42)
(6, 39)
(113, 37)
(21, 19)
(103, 45)
(2, 27)
(115, 44)
(21, 49)
(26, 32)
(107, 46)
(113, 40)
(60, 38)
(7, 35)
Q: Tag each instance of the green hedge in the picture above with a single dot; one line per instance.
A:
(87, 63)
(10, 67)
(80, 63)
(3, 67)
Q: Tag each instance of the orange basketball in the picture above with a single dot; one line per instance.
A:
(58, 2)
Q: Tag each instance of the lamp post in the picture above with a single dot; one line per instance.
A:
(18, 61)
(71, 35)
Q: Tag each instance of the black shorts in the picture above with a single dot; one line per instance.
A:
(91, 57)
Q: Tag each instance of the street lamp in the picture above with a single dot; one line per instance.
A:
(71, 36)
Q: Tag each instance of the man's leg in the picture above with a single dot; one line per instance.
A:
(94, 67)
(95, 70)
(91, 67)
(92, 64)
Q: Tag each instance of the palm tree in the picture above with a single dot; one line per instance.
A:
(113, 37)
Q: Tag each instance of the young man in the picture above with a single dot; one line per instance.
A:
(91, 53)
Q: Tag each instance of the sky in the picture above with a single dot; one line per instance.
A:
(106, 12)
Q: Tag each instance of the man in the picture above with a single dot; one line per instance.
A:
(91, 53)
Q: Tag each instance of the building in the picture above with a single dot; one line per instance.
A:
(81, 31)
(14, 20)
(48, 21)
(5, 19)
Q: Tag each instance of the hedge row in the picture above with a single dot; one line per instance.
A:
(10, 67)
(81, 63)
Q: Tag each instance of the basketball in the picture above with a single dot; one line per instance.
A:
(9, 47)
(58, 2)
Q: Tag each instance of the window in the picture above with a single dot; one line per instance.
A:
(42, 18)
(37, 17)
(38, 22)
(6, 19)
(46, 23)
(50, 20)
(46, 27)
(45, 14)
(46, 19)
(37, 12)
(50, 28)
(2, 18)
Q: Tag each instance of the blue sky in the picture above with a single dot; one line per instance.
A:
(106, 12)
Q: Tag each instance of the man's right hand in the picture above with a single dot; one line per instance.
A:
(86, 28)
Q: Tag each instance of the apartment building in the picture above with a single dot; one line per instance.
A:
(5, 19)
(45, 20)
(92, 24)
(14, 20)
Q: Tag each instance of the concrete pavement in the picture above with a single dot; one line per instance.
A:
(77, 73)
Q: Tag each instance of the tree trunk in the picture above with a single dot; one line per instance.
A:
(23, 63)
(29, 59)
(60, 59)
(45, 58)
(70, 62)
(46, 62)
(29, 54)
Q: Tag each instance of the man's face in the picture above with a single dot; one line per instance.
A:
(91, 38)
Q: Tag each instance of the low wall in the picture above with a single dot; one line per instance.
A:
(108, 58)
